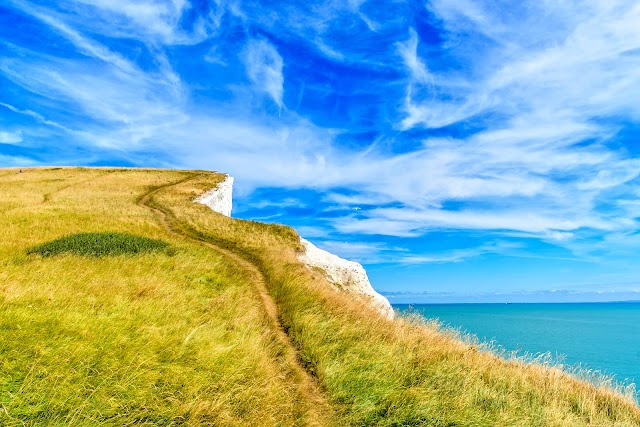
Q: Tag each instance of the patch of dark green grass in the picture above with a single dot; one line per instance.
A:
(100, 245)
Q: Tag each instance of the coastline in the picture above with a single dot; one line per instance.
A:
(593, 341)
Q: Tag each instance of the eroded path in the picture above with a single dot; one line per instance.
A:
(318, 412)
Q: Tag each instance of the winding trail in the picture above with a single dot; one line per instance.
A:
(318, 410)
(46, 197)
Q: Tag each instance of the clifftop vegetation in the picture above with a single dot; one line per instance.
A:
(224, 326)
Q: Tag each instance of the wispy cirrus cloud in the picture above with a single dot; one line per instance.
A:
(409, 53)
(8, 137)
(377, 253)
(530, 70)
(362, 252)
(408, 120)
(159, 22)
(14, 161)
(264, 69)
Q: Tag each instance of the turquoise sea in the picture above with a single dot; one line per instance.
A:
(601, 336)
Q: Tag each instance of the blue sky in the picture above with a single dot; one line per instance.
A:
(461, 150)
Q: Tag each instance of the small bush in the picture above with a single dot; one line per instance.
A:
(99, 245)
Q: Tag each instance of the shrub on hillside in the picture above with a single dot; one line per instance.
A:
(99, 245)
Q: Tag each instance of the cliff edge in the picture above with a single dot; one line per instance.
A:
(219, 199)
(346, 275)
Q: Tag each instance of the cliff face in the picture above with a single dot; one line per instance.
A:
(219, 199)
(347, 275)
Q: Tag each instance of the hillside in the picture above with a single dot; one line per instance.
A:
(158, 311)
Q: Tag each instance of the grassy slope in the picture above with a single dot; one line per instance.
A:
(186, 338)
(151, 338)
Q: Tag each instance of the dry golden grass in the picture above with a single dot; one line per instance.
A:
(177, 339)
(377, 372)
(148, 339)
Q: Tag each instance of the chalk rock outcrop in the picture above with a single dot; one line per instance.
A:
(348, 275)
(219, 199)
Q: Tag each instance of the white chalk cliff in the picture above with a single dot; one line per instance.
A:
(219, 199)
(347, 275)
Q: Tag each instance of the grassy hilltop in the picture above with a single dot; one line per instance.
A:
(122, 302)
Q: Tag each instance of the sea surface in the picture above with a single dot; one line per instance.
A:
(600, 336)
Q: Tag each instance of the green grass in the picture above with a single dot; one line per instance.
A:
(148, 339)
(399, 373)
(186, 339)
(99, 245)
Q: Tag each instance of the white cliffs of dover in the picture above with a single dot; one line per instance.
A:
(347, 275)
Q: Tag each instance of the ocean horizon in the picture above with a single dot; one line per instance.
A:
(599, 336)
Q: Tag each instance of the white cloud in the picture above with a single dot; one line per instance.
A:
(547, 97)
(16, 161)
(362, 252)
(137, 103)
(409, 53)
(625, 171)
(264, 69)
(457, 255)
(151, 21)
(322, 26)
(309, 231)
(569, 59)
(41, 119)
(377, 252)
(270, 203)
(517, 220)
(150, 17)
(8, 137)
(85, 45)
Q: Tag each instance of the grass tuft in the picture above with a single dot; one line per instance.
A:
(99, 245)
